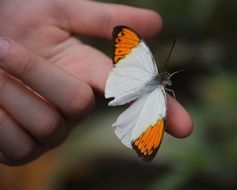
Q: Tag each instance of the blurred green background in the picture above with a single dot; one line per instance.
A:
(206, 49)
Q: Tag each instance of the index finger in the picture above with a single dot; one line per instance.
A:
(98, 19)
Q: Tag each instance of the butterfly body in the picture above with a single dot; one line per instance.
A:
(134, 78)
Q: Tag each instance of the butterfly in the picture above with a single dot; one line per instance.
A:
(134, 80)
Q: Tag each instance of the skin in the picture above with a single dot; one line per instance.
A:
(48, 78)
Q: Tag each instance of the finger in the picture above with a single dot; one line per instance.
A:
(69, 94)
(179, 122)
(16, 162)
(39, 119)
(94, 65)
(98, 19)
(15, 144)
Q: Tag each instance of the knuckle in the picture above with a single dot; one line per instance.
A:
(18, 59)
(107, 23)
(23, 153)
(74, 106)
(26, 66)
(7, 51)
(47, 125)
(19, 151)
(79, 103)
(3, 79)
(3, 117)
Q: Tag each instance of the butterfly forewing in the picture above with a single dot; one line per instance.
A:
(134, 69)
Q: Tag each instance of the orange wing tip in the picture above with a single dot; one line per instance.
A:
(125, 39)
(148, 143)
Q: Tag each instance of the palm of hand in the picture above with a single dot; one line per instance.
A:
(45, 30)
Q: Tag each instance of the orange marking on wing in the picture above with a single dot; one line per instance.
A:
(150, 140)
(144, 137)
(125, 40)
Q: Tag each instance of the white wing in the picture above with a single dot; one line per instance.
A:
(134, 72)
(142, 114)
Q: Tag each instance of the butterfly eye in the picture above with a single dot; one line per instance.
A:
(168, 82)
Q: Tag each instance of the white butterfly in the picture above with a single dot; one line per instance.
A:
(134, 77)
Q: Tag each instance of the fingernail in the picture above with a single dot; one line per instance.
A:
(4, 47)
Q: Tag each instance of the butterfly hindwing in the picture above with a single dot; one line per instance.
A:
(142, 125)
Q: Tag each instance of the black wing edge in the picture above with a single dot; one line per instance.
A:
(115, 32)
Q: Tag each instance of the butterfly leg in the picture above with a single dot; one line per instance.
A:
(170, 90)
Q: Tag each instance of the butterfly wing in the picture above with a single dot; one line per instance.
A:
(142, 125)
(134, 72)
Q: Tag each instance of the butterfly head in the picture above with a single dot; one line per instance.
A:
(164, 79)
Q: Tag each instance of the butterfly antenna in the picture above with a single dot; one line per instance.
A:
(174, 73)
(165, 64)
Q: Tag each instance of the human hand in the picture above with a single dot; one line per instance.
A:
(48, 81)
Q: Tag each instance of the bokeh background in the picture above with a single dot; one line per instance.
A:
(93, 158)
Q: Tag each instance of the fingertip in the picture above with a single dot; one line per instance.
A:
(146, 22)
(107, 15)
(179, 121)
(151, 26)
